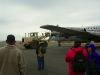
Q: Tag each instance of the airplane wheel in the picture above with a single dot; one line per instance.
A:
(59, 44)
(27, 47)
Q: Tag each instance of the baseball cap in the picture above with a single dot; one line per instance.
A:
(10, 38)
(77, 42)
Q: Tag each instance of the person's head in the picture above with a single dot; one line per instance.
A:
(91, 48)
(41, 43)
(77, 42)
(10, 39)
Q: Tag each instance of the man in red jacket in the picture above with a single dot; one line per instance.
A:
(70, 55)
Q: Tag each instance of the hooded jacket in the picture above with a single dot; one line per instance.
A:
(93, 60)
(69, 57)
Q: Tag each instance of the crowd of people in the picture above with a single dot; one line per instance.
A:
(81, 60)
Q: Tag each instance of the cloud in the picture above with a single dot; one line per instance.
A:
(20, 16)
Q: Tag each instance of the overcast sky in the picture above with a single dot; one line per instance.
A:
(20, 16)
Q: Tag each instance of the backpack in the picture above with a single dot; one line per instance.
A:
(43, 50)
(79, 64)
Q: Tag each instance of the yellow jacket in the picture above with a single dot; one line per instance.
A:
(39, 52)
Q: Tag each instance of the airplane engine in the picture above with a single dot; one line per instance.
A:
(58, 37)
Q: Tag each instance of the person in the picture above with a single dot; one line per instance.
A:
(12, 61)
(93, 60)
(70, 56)
(40, 56)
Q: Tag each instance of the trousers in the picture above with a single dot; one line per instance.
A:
(40, 62)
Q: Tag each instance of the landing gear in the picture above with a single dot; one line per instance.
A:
(59, 43)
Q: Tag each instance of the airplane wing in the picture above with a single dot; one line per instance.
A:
(70, 32)
(54, 28)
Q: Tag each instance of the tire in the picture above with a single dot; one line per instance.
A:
(33, 44)
(27, 47)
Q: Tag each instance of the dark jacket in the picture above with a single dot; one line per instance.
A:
(38, 50)
(93, 61)
(38, 47)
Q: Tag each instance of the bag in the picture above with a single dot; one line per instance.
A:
(79, 64)
(43, 50)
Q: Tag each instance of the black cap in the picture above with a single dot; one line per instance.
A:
(11, 38)
(77, 42)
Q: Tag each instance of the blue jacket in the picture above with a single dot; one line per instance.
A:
(93, 60)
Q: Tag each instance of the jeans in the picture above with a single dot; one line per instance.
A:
(40, 62)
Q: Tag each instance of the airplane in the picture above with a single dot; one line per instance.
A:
(86, 34)
(57, 36)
